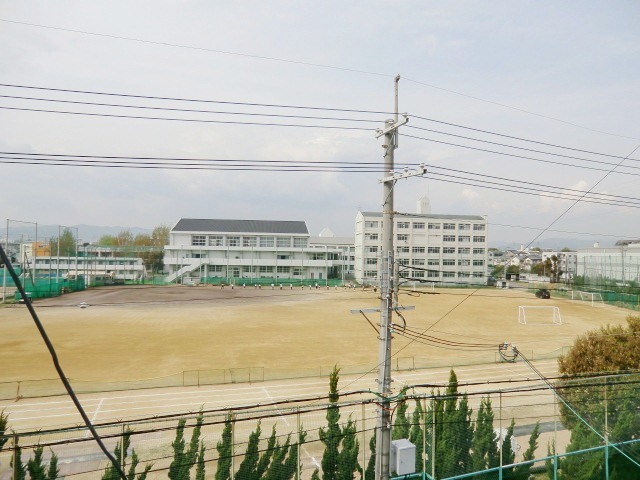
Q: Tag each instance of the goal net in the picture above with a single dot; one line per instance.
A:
(594, 297)
(539, 315)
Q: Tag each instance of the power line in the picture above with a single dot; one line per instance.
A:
(317, 65)
(192, 120)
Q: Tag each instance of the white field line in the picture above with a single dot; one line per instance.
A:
(95, 415)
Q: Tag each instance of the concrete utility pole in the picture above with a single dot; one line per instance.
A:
(383, 425)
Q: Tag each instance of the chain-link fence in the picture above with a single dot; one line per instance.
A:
(587, 429)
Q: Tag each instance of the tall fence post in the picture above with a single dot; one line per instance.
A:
(433, 439)
(500, 436)
(555, 437)
(606, 431)
(123, 452)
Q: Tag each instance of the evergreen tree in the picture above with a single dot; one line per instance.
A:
(53, 471)
(508, 455)
(111, 472)
(370, 472)
(338, 463)
(37, 468)
(249, 464)
(183, 460)
(401, 425)
(522, 472)
(200, 467)
(4, 421)
(315, 475)
(278, 457)
(416, 433)
(225, 452)
(290, 466)
(19, 468)
(484, 448)
(265, 458)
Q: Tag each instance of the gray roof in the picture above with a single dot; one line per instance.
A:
(427, 216)
(240, 226)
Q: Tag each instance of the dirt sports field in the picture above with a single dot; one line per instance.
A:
(135, 333)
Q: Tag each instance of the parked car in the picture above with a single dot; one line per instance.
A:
(543, 293)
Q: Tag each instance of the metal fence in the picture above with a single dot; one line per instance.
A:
(593, 436)
(195, 378)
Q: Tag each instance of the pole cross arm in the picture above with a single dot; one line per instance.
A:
(393, 176)
(394, 126)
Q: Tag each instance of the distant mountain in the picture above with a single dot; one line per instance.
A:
(86, 233)
(557, 243)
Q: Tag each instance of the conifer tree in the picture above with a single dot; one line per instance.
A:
(37, 468)
(522, 472)
(53, 471)
(200, 466)
(225, 452)
(416, 433)
(265, 458)
(401, 425)
(249, 464)
(121, 449)
(508, 455)
(370, 472)
(184, 460)
(290, 466)
(19, 468)
(484, 449)
(4, 421)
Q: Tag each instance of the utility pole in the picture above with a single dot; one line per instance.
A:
(383, 425)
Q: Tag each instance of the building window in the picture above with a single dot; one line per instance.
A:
(418, 249)
(403, 261)
(283, 270)
(434, 226)
(284, 257)
(198, 240)
(233, 241)
(418, 274)
(372, 249)
(464, 251)
(215, 268)
(464, 263)
(370, 273)
(371, 261)
(433, 249)
(464, 226)
(463, 275)
(418, 225)
(448, 274)
(402, 225)
(317, 256)
(478, 227)
(478, 263)
(433, 261)
(266, 241)
(371, 236)
(297, 271)
(449, 226)
(448, 250)
(370, 224)
(249, 241)
(266, 269)
(449, 261)
(464, 239)
(478, 251)
(299, 242)
(479, 239)
(215, 241)
(478, 274)
(448, 238)
(283, 242)
(417, 261)
(402, 237)
(433, 274)
(403, 249)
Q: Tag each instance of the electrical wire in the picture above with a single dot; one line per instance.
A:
(56, 363)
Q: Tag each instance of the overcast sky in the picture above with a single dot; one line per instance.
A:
(561, 73)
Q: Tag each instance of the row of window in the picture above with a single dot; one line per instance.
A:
(404, 237)
(445, 250)
(477, 227)
(247, 241)
(431, 274)
(431, 261)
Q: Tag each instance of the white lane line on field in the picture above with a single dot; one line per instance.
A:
(95, 415)
(303, 448)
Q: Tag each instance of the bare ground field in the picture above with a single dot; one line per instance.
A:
(131, 333)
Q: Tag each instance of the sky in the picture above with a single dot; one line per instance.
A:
(563, 74)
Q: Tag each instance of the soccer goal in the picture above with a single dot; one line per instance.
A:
(539, 315)
(594, 297)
